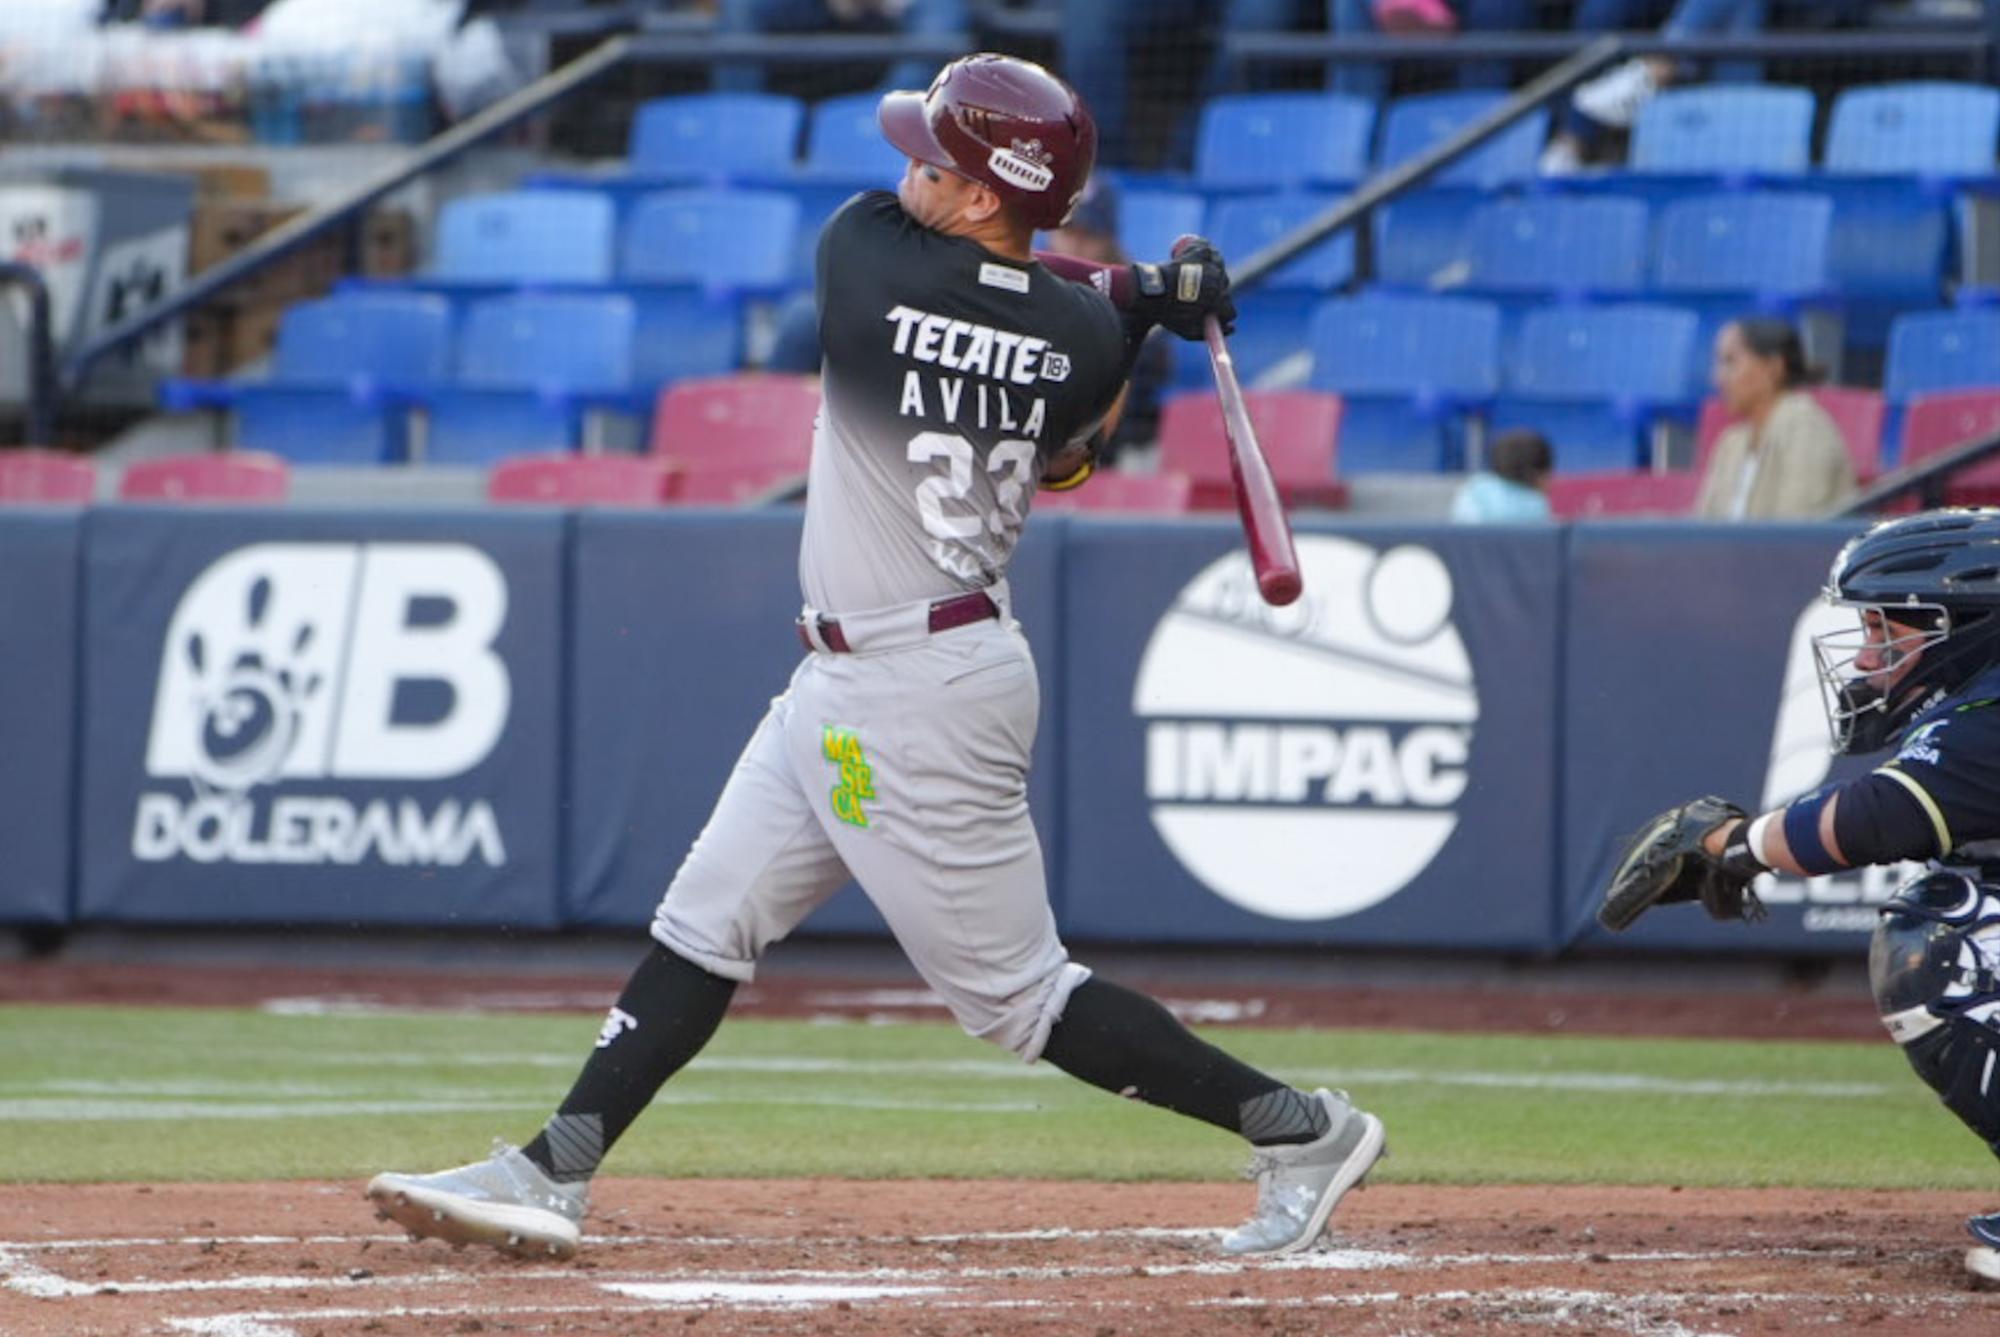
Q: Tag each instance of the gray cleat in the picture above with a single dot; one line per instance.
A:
(505, 1201)
(1299, 1186)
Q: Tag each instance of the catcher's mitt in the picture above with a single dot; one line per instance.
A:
(1666, 863)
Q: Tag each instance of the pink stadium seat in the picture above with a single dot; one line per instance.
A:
(1298, 429)
(754, 416)
(582, 480)
(1858, 414)
(30, 475)
(1110, 490)
(713, 483)
(238, 476)
(1934, 424)
(1584, 496)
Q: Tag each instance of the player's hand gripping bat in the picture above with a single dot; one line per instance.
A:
(1268, 532)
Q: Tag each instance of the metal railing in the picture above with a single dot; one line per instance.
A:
(1278, 49)
(1924, 481)
(1377, 190)
(658, 48)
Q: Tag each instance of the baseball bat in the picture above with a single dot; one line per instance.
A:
(1269, 534)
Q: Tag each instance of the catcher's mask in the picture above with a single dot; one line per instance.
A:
(1934, 966)
(1932, 584)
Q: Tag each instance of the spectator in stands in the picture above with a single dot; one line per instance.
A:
(1370, 79)
(1612, 100)
(1513, 488)
(1785, 459)
(1099, 38)
(1091, 234)
(915, 18)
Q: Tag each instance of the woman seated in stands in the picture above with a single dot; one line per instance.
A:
(1784, 458)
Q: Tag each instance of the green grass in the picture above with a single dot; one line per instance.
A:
(161, 1094)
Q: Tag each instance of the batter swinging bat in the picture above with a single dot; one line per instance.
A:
(1268, 532)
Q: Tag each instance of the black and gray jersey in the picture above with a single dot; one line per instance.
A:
(950, 375)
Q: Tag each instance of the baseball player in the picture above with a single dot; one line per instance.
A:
(1921, 673)
(960, 374)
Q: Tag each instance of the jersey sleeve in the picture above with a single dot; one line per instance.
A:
(1105, 333)
(1939, 792)
(858, 245)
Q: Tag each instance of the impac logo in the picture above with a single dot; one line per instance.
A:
(1801, 759)
(1303, 762)
(292, 663)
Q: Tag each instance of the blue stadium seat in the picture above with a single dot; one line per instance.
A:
(1271, 327)
(684, 333)
(1914, 129)
(1420, 239)
(1594, 379)
(1724, 130)
(529, 367)
(817, 201)
(1726, 256)
(1412, 124)
(844, 144)
(1891, 235)
(1268, 141)
(1933, 352)
(1405, 367)
(1887, 252)
(1242, 227)
(333, 396)
(1150, 221)
(715, 137)
(1753, 242)
(1942, 350)
(1571, 245)
(527, 236)
(735, 239)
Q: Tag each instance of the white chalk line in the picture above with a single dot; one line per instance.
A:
(25, 1277)
(51, 1100)
(1645, 1314)
(54, 1110)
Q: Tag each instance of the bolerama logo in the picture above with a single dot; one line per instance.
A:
(1342, 722)
(290, 663)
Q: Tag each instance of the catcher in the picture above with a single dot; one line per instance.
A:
(1921, 673)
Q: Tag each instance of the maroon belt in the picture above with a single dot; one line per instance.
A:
(959, 611)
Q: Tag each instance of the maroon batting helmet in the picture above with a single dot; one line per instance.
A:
(1006, 123)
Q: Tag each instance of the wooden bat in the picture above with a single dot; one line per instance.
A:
(1267, 531)
(1269, 534)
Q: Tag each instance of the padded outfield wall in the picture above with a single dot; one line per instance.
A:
(486, 718)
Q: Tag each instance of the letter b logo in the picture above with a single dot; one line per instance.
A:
(353, 661)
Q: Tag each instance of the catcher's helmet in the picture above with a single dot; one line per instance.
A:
(1006, 123)
(1938, 572)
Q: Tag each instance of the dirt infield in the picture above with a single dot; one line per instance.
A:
(935, 1259)
(985, 1259)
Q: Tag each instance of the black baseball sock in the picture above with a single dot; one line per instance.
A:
(1129, 1045)
(668, 1011)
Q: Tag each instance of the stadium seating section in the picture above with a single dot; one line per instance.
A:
(1487, 298)
(1131, 494)
(38, 477)
(247, 476)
